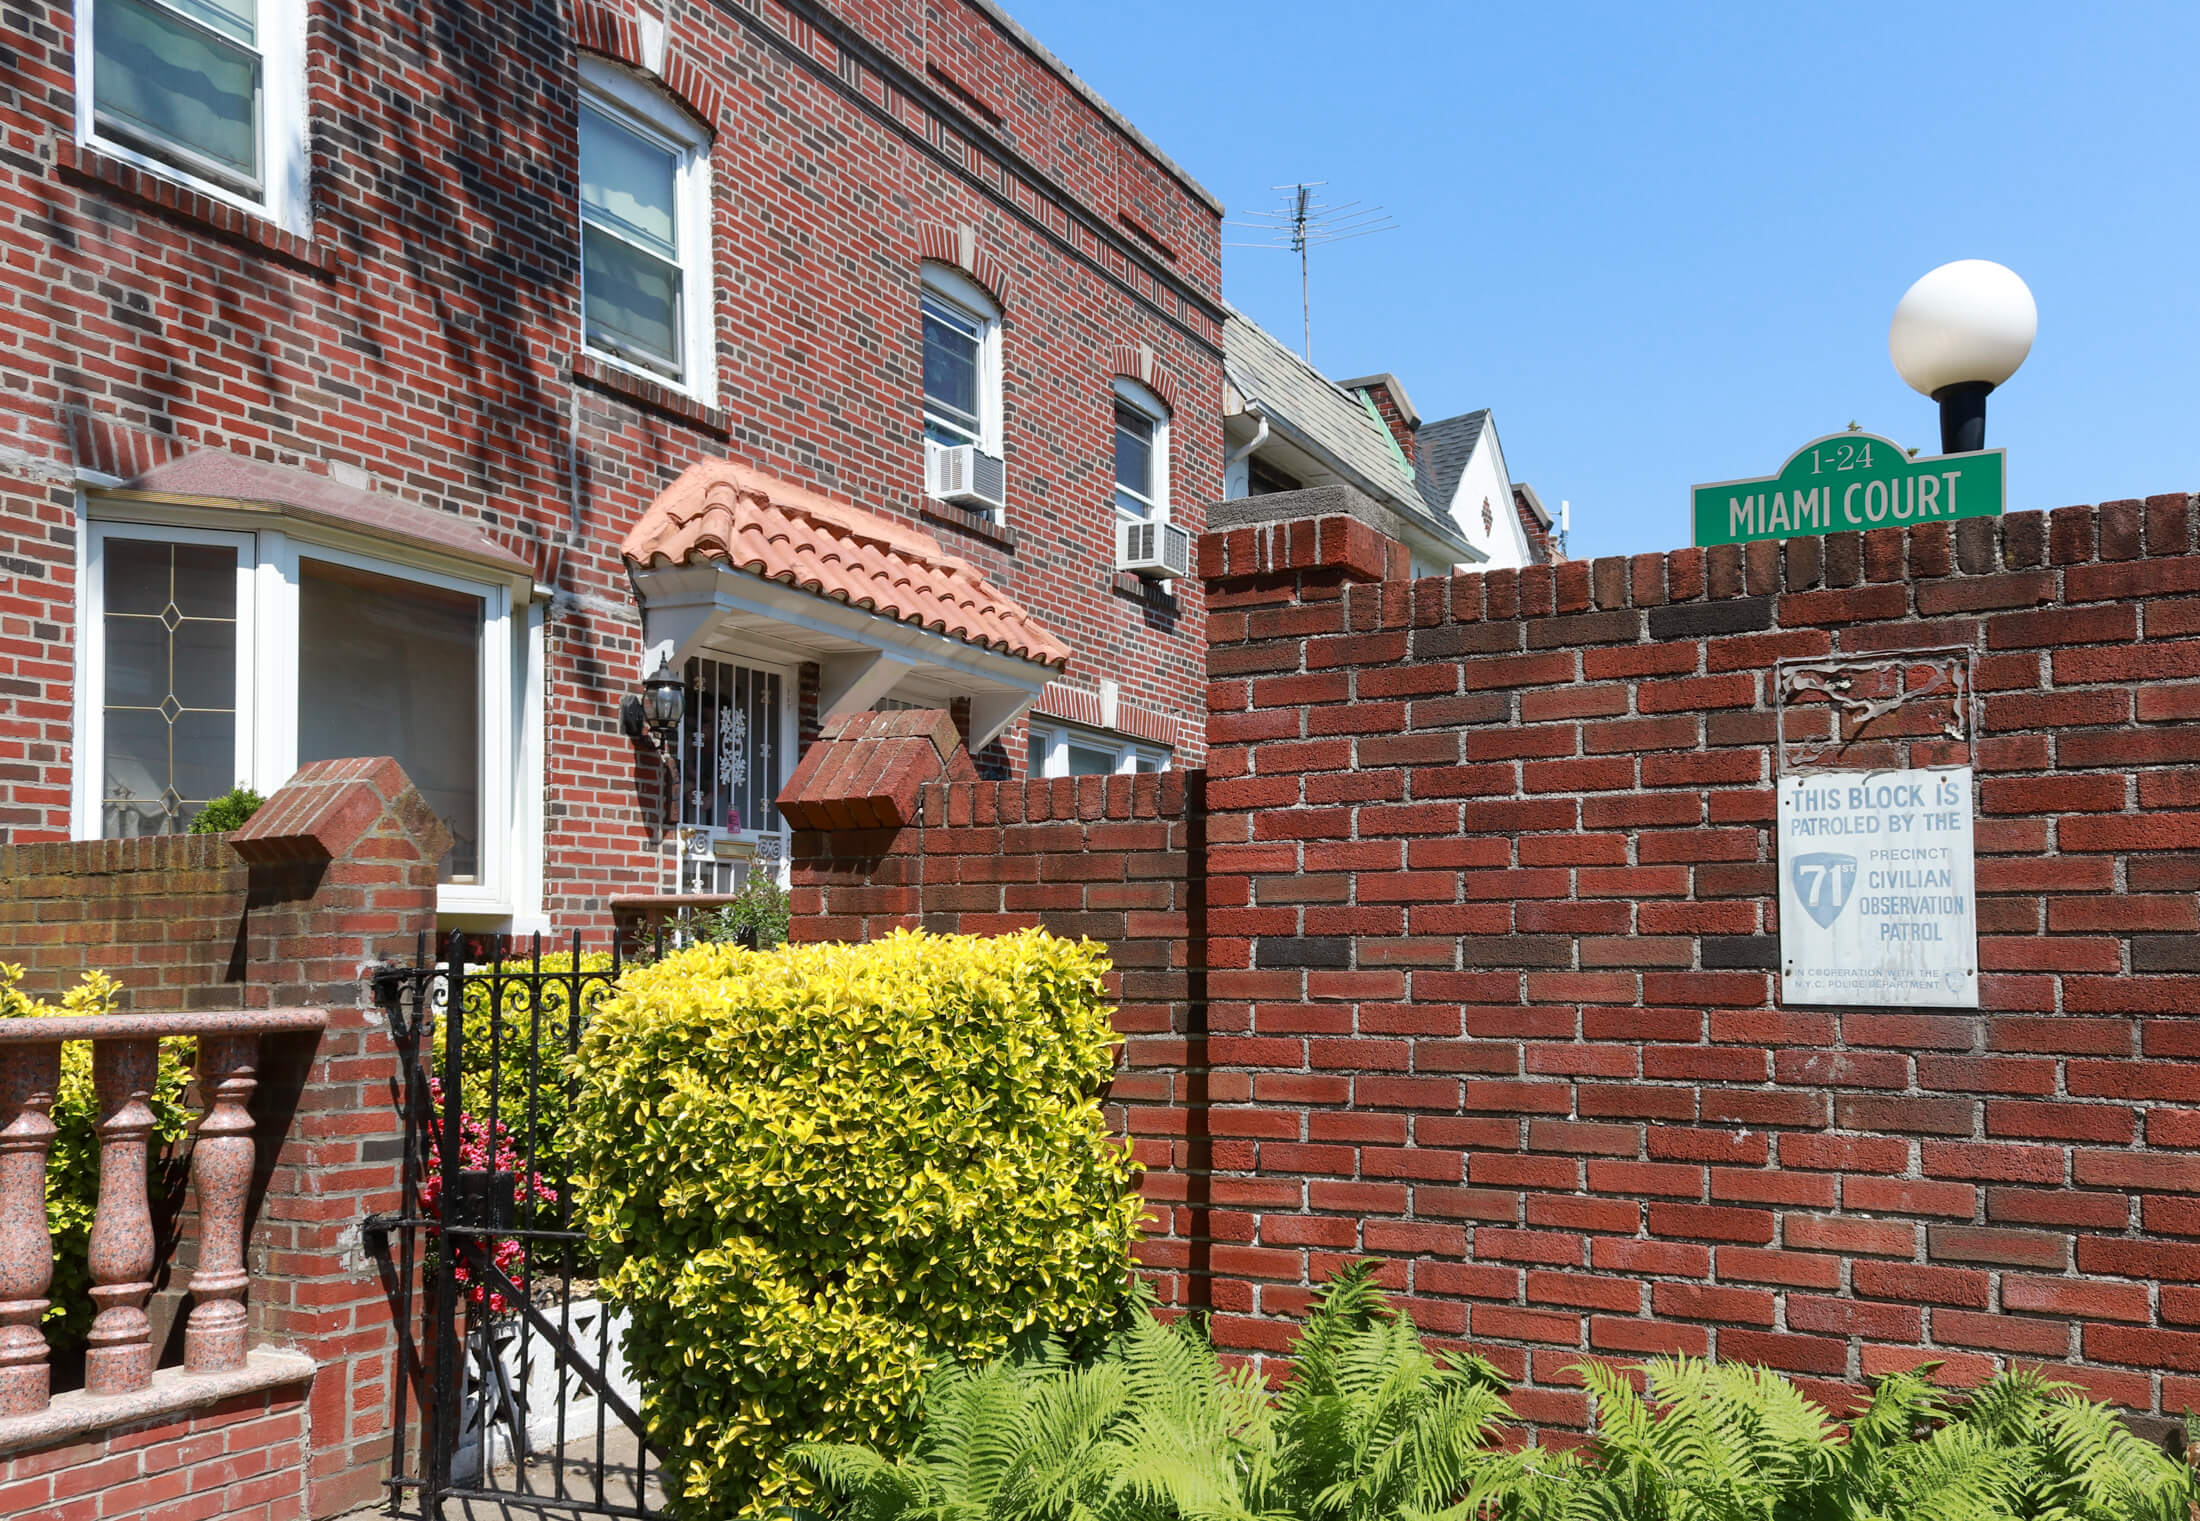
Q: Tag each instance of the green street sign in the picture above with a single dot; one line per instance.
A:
(1848, 481)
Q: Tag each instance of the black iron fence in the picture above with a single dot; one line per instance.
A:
(523, 1397)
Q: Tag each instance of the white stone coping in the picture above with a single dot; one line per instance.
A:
(77, 1416)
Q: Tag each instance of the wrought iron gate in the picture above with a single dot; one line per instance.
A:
(524, 1399)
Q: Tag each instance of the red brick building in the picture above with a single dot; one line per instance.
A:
(351, 357)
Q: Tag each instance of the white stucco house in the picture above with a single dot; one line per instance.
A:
(1460, 467)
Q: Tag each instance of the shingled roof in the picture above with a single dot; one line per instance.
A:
(1314, 410)
(1442, 450)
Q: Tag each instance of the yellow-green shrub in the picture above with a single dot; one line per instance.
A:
(72, 1166)
(814, 1172)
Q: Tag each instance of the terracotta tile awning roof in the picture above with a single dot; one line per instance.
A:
(726, 512)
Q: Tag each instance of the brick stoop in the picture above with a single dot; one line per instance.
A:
(867, 770)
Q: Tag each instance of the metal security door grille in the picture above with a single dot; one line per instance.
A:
(730, 772)
(523, 1396)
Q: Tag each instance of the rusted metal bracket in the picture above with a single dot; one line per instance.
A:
(1858, 691)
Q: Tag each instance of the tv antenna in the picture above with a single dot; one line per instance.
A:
(1305, 221)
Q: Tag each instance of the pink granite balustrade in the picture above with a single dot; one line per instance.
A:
(125, 1052)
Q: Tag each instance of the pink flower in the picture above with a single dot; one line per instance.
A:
(483, 1147)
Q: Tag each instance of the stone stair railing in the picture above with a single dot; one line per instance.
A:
(125, 1058)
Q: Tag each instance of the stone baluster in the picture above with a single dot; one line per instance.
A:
(221, 1172)
(29, 1075)
(120, 1359)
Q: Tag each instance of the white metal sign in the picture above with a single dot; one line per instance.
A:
(1877, 899)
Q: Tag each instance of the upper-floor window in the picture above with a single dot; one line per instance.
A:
(962, 361)
(211, 92)
(645, 230)
(1141, 452)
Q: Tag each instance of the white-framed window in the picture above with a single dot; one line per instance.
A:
(1141, 453)
(210, 659)
(1063, 750)
(737, 748)
(962, 361)
(645, 231)
(210, 92)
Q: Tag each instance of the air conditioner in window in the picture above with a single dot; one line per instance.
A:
(967, 474)
(1157, 551)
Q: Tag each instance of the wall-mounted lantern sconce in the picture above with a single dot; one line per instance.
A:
(657, 712)
(1960, 331)
(664, 700)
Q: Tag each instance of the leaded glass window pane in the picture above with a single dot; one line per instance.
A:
(169, 674)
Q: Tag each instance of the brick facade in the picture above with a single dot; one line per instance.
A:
(426, 335)
(159, 915)
(1481, 960)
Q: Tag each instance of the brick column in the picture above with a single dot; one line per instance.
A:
(343, 875)
(1288, 564)
(856, 868)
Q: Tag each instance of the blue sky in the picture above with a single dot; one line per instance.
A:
(1662, 242)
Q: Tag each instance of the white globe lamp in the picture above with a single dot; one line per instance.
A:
(1957, 333)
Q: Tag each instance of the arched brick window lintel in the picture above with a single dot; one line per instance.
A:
(962, 246)
(600, 29)
(1136, 362)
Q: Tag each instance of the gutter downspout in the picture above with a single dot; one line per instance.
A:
(1242, 450)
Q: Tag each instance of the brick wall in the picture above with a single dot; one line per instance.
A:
(162, 916)
(334, 874)
(1487, 882)
(1492, 927)
(241, 1460)
(1108, 857)
(426, 334)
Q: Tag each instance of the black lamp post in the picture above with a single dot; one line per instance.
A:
(1957, 333)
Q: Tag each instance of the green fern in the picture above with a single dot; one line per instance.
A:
(1370, 1425)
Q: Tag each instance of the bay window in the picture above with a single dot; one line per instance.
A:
(211, 92)
(387, 665)
(645, 231)
(213, 659)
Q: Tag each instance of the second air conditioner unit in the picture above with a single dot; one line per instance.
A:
(967, 474)
(1157, 551)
